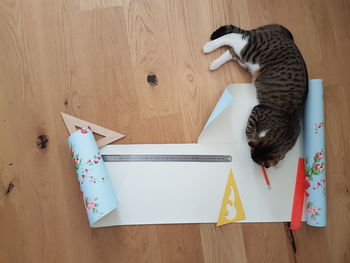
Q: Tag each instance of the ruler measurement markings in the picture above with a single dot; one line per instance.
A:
(165, 158)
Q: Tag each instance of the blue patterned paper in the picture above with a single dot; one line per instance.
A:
(315, 156)
(95, 185)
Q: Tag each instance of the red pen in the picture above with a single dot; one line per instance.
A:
(265, 176)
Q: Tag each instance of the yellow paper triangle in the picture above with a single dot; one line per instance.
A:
(231, 205)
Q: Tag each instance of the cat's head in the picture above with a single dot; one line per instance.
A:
(265, 153)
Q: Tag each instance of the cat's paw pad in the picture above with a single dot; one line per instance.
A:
(208, 47)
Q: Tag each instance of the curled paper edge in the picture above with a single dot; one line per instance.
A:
(107, 198)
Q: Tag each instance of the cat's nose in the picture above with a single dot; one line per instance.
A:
(267, 165)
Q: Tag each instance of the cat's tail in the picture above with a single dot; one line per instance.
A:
(226, 30)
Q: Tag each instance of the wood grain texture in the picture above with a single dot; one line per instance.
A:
(98, 4)
(91, 59)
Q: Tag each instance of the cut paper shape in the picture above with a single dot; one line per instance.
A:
(73, 122)
(173, 193)
(231, 206)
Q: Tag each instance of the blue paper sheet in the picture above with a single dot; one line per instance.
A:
(96, 189)
(315, 156)
(224, 101)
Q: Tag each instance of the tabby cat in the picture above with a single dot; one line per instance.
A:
(280, 76)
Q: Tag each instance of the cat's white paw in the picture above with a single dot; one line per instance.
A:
(214, 65)
(208, 47)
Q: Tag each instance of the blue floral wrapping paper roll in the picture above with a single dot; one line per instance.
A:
(96, 188)
(315, 156)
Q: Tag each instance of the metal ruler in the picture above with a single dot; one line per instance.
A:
(165, 158)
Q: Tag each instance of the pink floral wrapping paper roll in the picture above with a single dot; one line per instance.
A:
(96, 188)
(315, 156)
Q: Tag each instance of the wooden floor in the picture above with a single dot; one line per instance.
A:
(91, 59)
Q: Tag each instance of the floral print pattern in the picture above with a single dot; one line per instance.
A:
(75, 157)
(318, 126)
(96, 189)
(91, 205)
(313, 211)
(316, 167)
(84, 167)
(314, 154)
(315, 180)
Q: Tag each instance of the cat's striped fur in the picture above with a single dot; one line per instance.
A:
(281, 80)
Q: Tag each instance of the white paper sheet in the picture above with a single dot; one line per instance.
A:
(170, 193)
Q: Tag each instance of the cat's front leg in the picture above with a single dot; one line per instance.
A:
(252, 126)
(259, 122)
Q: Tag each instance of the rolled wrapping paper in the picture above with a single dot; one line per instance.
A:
(95, 185)
(315, 156)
